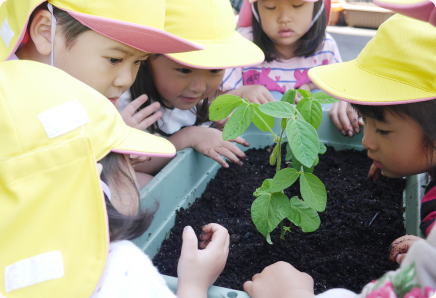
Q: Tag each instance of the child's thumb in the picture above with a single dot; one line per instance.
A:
(190, 241)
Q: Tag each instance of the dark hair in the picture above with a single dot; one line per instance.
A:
(423, 113)
(123, 227)
(144, 84)
(309, 43)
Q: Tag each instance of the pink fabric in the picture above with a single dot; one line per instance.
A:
(245, 14)
(280, 75)
(431, 195)
(424, 11)
(146, 39)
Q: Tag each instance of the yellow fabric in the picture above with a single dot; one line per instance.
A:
(396, 66)
(211, 23)
(23, 130)
(51, 201)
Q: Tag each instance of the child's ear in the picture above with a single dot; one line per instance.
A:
(40, 32)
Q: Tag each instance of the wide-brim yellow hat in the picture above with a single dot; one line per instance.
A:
(61, 109)
(423, 10)
(138, 24)
(211, 23)
(397, 66)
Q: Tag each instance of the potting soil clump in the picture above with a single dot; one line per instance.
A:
(349, 249)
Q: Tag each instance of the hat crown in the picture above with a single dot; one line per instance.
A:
(216, 16)
(402, 50)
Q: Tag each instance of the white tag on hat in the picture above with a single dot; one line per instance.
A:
(34, 270)
(63, 118)
(6, 33)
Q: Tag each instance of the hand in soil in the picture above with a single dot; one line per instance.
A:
(374, 173)
(209, 141)
(345, 118)
(198, 269)
(280, 279)
(400, 247)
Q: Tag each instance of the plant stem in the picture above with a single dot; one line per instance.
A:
(279, 150)
(270, 130)
(282, 233)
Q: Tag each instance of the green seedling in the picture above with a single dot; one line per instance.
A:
(298, 127)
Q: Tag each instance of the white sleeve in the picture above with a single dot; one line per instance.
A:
(130, 273)
(336, 293)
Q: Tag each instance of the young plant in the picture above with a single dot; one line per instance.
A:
(298, 126)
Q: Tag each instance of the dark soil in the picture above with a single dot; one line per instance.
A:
(349, 249)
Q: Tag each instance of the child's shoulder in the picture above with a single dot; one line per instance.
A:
(246, 32)
(329, 41)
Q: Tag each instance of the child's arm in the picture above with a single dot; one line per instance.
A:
(206, 140)
(144, 118)
(199, 269)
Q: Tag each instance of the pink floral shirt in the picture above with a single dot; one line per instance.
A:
(280, 75)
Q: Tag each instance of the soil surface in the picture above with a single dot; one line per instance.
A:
(349, 249)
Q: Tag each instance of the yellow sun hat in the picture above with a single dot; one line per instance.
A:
(397, 66)
(424, 10)
(138, 24)
(211, 23)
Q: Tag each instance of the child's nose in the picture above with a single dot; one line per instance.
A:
(125, 78)
(285, 15)
(368, 141)
(198, 85)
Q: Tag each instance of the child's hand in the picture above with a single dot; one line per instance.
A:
(400, 246)
(345, 118)
(145, 117)
(220, 124)
(199, 269)
(253, 93)
(278, 280)
(209, 141)
(137, 159)
(374, 173)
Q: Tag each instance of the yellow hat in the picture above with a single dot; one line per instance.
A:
(397, 66)
(211, 23)
(79, 111)
(138, 24)
(423, 10)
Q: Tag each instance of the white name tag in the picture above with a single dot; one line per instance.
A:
(63, 118)
(6, 33)
(34, 270)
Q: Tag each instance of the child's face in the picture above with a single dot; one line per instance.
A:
(396, 146)
(285, 21)
(183, 87)
(104, 64)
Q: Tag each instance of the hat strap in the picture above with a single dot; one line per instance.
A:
(106, 190)
(255, 13)
(53, 30)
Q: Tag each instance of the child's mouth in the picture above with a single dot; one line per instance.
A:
(188, 99)
(377, 164)
(285, 32)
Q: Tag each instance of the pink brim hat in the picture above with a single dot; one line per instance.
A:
(423, 11)
(246, 14)
(146, 39)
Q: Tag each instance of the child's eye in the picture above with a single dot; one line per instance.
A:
(184, 70)
(115, 61)
(216, 70)
(270, 8)
(297, 6)
(382, 132)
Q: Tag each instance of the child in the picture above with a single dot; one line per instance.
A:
(392, 85)
(292, 35)
(184, 84)
(53, 223)
(99, 42)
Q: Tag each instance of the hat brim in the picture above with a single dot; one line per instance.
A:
(238, 53)
(349, 82)
(141, 143)
(143, 38)
(420, 10)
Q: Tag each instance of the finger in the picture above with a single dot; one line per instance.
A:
(400, 248)
(333, 113)
(215, 156)
(372, 171)
(256, 276)
(190, 241)
(241, 141)
(248, 286)
(343, 118)
(361, 123)
(235, 150)
(354, 118)
(146, 112)
(132, 107)
(219, 234)
(147, 122)
(269, 97)
(204, 244)
(229, 154)
(400, 258)
(377, 175)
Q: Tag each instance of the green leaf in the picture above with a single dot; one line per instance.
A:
(283, 179)
(278, 109)
(268, 211)
(268, 239)
(303, 140)
(304, 216)
(223, 106)
(305, 93)
(313, 191)
(297, 165)
(311, 111)
(238, 122)
(289, 96)
(322, 148)
(261, 120)
(323, 98)
(273, 157)
(288, 152)
(264, 189)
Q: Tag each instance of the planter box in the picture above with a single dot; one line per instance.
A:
(365, 15)
(335, 12)
(185, 178)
